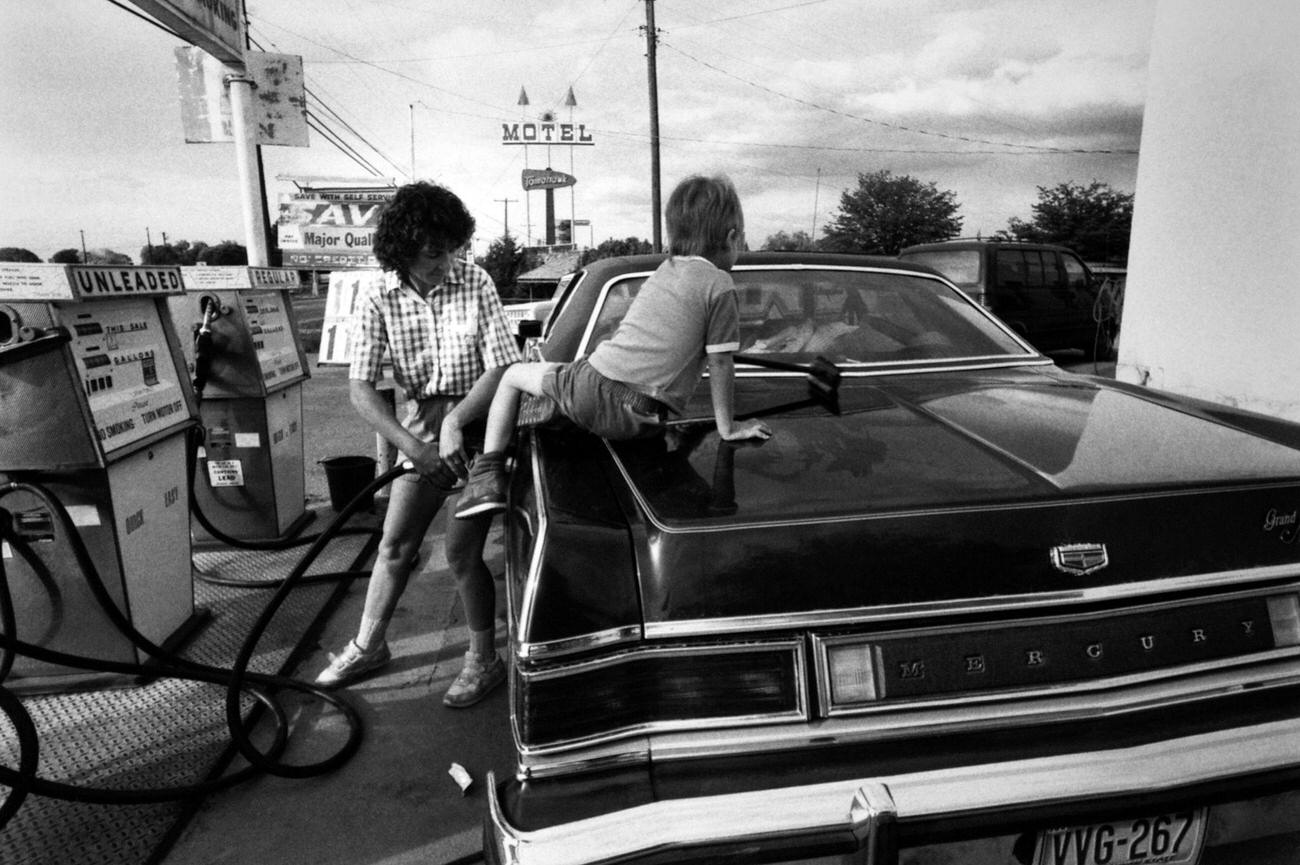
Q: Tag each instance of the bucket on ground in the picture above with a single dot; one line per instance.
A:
(347, 477)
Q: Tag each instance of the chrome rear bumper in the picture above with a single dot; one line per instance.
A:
(861, 814)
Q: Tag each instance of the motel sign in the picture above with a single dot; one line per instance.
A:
(546, 132)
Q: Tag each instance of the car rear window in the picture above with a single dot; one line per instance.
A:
(847, 315)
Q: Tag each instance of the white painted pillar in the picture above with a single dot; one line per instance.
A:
(244, 128)
(1212, 303)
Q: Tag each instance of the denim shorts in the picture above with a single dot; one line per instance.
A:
(600, 405)
(424, 421)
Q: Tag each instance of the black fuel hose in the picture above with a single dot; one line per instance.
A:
(193, 443)
(238, 681)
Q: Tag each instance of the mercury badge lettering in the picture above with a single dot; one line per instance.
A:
(1079, 559)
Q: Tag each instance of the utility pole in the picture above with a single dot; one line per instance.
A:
(83, 247)
(148, 242)
(651, 37)
(507, 202)
(816, 194)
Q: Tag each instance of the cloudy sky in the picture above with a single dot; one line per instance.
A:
(990, 99)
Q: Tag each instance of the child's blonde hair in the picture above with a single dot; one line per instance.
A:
(699, 214)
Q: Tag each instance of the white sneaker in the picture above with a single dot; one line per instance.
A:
(479, 678)
(352, 663)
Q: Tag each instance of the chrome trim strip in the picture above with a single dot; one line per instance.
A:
(525, 649)
(1032, 356)
(595, 640)
(820, 643)
(675, 826)
(911, 367)
(612, 756)
(530, 755)
(994, 603)
(821, 810)
(583, 350)
(908, 722)
(529, 599)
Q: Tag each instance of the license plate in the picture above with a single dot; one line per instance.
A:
(1167, 839)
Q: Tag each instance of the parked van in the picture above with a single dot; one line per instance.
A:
(1045, 292)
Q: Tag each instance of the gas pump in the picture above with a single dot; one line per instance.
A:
(95, 410)
(248, 368)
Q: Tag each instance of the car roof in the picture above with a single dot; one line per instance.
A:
(980, 243)
(635, 263)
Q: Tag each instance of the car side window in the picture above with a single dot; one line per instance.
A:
(1076, 275)
(1034, 275)
(1010, 268)
(615, 305)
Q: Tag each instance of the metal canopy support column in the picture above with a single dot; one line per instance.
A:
(245, 132)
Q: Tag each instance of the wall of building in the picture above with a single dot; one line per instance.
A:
(1212, 304)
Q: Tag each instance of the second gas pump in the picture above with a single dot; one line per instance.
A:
(248, 368)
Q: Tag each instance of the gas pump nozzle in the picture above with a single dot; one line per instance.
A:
(203, 346)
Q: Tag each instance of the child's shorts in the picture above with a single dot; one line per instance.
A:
(600, 405)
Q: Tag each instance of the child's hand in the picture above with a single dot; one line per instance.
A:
(750, 430)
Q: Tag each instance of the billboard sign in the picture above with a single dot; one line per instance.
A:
(330, 228)
(326, 238)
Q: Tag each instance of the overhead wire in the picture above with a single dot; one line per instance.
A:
(334, 137)
(502, 115)
(342, 146)
(882, 123)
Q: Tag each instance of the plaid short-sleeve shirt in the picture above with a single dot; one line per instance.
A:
(438, 345)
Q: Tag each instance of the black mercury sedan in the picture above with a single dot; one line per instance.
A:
(963, 606)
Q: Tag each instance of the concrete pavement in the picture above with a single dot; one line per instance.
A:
(394, 802)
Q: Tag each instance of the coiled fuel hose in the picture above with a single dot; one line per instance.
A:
(204, 351)
(24, 779)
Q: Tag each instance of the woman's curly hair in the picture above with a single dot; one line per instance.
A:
(420, 214)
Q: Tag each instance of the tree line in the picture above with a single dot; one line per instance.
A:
(179, 252)
(882, 215)
(886, 213)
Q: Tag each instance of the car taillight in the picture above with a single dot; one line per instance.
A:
(1284, 616)
(663, 687)
(852, 672)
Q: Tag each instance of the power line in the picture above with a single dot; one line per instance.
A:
(313, 120)
(895, 126)
(757, 12)
(336, 139)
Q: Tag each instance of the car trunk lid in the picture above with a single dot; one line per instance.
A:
(969, 491)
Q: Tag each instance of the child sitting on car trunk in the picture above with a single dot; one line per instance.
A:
(686, 315)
